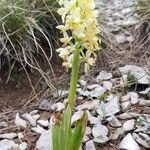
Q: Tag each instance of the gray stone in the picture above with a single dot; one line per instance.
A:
(45, 105)
(45, 141)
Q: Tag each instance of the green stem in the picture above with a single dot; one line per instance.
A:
(74, 78)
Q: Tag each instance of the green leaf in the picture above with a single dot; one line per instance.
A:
(78, 132)
(65, 130)
(55, 131)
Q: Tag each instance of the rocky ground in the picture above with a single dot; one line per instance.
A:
(117, 101)
(118, 108)
(118, 16)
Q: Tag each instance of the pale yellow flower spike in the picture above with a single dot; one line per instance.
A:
(79, 22)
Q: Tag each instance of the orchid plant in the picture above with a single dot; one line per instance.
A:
(79, 45)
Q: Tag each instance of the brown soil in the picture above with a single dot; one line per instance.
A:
(12, 97)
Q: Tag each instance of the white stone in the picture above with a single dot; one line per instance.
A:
(145, 136)
(134, 97)
(125, 106)
(23, 146)
(98, 92)
(108, 85)
(146, 91)
(58, 106)
(104, 75)
(140, 73)
(129, 125)
(100, 133)
(29, 118)
(90, 145)
(129, 143)
(128, 115)
(101, 139)
(90, 105)
(142, 129)
(36, 117)
(92, 119)
(8, 136)
(88, 131)
(82, 92)
(130, 22)
(44, 123)
(99, 130)
(110, 108)
(20, 135)
(126, 11)
(143, 102)
(117, 133)
(3, 124)
(34, 112)
(82, 83)
(125, 98)
(92, 86)
(45, 141)
(121, 38)
(62, 93)
(38, 129)
(7, 145)
(76, 116)
(85, 138)
(130, 39)
(19, 122)
(141, 141)
(113, 121)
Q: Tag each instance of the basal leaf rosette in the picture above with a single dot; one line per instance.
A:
(79, 29)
